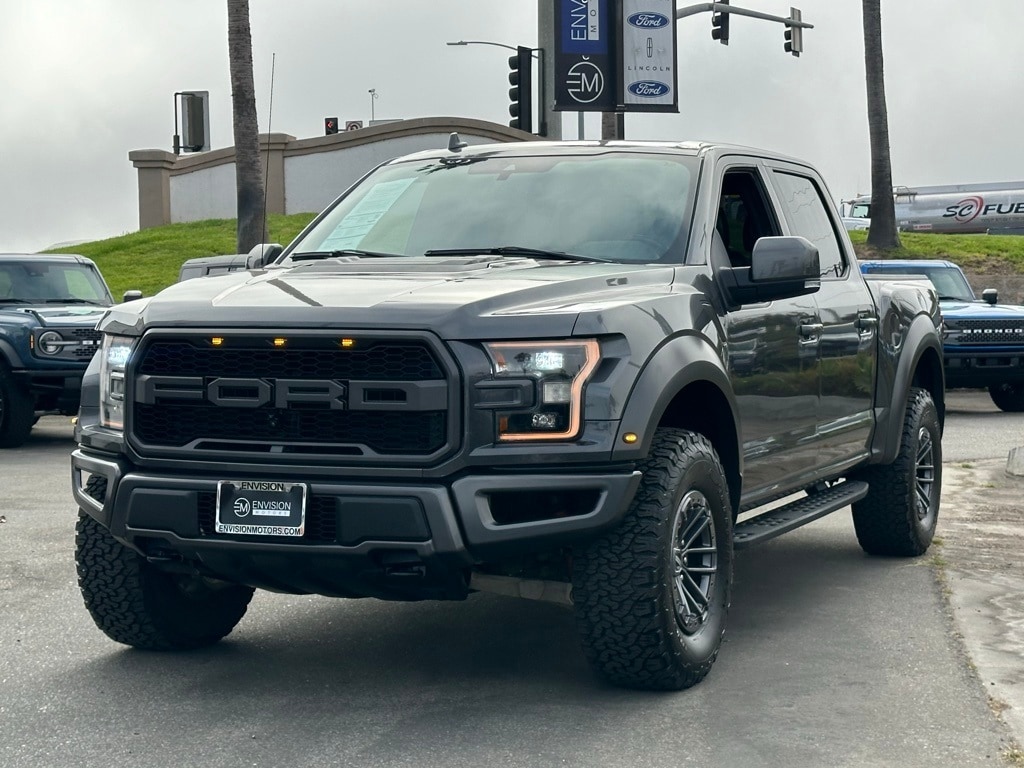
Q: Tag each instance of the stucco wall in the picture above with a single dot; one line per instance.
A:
(301, 175)
(206, 194)
(314, 180)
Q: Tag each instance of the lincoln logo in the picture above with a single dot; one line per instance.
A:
(243, 393)
(648, 20)
(648, 89)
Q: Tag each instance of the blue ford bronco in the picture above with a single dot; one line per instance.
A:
(49, 306)
(982, 340)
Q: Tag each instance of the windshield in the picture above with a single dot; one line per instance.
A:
(615, 207)
(49, 282)
(949, 282)
(860, 211)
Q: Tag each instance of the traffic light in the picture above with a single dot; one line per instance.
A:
(720, 25)
(330, 126)
(520, 77)
(794, 35)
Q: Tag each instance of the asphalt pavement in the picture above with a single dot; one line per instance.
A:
(831, 658)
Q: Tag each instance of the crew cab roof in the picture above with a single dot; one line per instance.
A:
(582, 148)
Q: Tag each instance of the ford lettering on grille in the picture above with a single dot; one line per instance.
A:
(243, 393)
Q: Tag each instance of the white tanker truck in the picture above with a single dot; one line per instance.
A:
(996, 208)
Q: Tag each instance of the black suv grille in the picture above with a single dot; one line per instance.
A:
(88, 339)
(993, 331)
(308, 395)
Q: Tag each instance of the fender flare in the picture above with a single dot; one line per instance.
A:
(680, 362)
(920, 337)
(9, 355)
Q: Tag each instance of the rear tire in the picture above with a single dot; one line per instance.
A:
(1008, 397)
(17, 411)
(138, 605)
(652, 595)
(900, 512)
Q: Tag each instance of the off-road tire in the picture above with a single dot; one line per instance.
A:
(1008, 397)
(625, 584)
(900, 512)
(136, 604)
(17, 411)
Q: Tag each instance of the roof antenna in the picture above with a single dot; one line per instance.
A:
(455, 144)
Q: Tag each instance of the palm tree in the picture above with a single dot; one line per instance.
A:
(252, 225)
(883, 234)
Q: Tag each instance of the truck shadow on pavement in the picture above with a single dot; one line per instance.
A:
(353, 649)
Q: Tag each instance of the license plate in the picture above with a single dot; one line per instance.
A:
(260, 508)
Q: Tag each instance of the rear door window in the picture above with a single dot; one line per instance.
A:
(808, 217)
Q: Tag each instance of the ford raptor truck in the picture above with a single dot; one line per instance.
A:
(49, 306)
(983, 340)
(581, 372)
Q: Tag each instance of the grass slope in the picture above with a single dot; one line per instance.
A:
(982, 254)
(149, 260)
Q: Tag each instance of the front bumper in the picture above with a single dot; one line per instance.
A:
(982, 367)
(53, 390)
(388, 540)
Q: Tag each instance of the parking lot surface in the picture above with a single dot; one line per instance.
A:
(831, 658)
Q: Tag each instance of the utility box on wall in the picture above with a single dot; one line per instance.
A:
(195, 122)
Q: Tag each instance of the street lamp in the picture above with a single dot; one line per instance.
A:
(373, 98)
(538, 54)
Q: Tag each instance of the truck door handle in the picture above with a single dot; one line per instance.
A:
(867, 323)
(811, 330)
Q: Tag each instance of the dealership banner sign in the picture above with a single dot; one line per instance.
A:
(615, 56)
(647, 56)
(584, 56)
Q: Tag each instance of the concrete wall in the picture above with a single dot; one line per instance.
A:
(302, 175)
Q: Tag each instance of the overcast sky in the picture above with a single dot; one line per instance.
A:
(83, 82)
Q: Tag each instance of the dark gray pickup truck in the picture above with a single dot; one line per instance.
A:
(579, 372)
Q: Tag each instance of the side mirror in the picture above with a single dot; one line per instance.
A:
(990, 295)
(780, 268)
(263, 254)
(131, 295)
(784, 260)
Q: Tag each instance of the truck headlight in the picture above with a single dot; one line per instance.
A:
(50, 343)
(114, 357)
(558, 370)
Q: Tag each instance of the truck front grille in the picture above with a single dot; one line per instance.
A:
(986, 332)
(360, 398)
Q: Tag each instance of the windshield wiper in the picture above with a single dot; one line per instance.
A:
(513, 250)
(15, 301)
(74, 301)
(953, 298)
(313, 255)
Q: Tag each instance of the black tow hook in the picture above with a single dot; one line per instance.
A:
(404, 566)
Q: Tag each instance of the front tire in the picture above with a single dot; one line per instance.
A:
(900, 512)
(17, 411)
(652, 595)
(138, 605)
(1008, 397)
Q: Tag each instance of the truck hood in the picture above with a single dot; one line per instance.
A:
(980, 310)
(79, 315)
(469, 298)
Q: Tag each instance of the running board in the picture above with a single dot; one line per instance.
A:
(780, 520)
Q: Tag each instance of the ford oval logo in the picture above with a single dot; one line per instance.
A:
(648, 20)
(648, 89)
